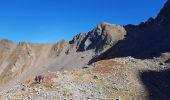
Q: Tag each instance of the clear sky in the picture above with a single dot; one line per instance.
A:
(53, 20)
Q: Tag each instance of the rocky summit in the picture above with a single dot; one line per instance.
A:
(110, 62)
(101, 38)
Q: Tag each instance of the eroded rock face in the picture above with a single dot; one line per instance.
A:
(102, 37)
(18, 61)
(58, 48)
(6, 47)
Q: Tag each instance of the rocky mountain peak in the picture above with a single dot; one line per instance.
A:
(101, 37)
(164, 16)
(78, 38)
(103, 24)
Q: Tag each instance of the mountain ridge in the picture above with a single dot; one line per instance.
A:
(144, 41)
(110, 62)
(25, 59)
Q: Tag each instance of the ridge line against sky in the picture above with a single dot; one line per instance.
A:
(46, 21)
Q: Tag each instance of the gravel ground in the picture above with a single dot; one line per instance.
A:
(115, 79)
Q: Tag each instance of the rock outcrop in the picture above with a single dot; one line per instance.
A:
(101, 38)
(147, 40)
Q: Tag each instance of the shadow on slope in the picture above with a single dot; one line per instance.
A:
(144, 41)
(157, 84)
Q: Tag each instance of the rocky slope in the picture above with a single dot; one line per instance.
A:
(114, 79)
(140, 72)
(23, 60)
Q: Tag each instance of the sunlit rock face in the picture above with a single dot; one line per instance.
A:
(102, 37)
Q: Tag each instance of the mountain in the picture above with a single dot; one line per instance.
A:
(144, 41)
(23, 60)
(110, 62)
(102, 37)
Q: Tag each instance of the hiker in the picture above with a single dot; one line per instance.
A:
(39, 78)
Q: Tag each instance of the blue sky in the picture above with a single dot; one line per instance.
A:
(53, 20)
